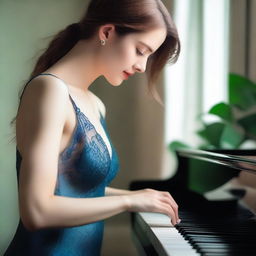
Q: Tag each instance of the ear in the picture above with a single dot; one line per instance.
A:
(106, 31)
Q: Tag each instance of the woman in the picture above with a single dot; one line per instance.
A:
(65, 158)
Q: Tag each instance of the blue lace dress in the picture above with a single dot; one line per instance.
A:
(85, 168)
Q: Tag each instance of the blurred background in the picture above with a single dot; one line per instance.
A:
(217, 38)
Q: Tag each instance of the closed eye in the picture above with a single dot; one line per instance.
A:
(139, 52)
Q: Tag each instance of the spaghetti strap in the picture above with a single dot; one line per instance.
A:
(50, 74)
(77, 109)
(41, 74)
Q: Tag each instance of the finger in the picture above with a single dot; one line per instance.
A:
(166, 209)
(168, 203)
(174, 205)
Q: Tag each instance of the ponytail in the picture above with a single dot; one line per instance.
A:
(61, 44)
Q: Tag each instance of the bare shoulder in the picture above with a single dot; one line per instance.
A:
(43, 102)
(42, 93)
(45, 84)
(100, 104)
(39, 128)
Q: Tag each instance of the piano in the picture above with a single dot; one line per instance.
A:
(216, 194)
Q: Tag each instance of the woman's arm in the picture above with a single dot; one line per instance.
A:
(117, 192)
(60, 211)
(40, 123)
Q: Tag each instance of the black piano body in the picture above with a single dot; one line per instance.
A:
(216, 194)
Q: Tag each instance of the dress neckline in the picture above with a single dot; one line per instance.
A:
(98, 134)
(78, 110)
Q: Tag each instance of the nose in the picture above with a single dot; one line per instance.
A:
(140, 66)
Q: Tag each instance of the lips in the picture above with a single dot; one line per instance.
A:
(127, 74)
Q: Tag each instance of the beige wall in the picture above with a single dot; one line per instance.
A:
(252, 42)
(243, 38)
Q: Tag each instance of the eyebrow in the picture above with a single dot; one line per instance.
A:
(149, 48)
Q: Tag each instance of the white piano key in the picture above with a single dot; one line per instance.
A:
(165, 236)
(156, 219)
(173, 242)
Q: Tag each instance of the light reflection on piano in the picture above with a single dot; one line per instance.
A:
(218, 216)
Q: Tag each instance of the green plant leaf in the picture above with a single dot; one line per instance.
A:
(206, 147)
(249, 125)
(223, 111)
(242, 91)
(231, 137)
(212, 133)
(177, 144)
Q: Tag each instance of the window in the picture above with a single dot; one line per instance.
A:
(199, 79)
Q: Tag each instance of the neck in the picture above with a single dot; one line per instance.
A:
(80, 67)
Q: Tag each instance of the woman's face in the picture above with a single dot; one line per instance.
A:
(123, 56)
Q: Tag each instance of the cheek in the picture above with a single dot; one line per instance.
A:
(123, 57)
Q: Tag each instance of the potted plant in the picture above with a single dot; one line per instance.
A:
(234, 129)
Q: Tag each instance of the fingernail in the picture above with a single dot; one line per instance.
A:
(179, 220)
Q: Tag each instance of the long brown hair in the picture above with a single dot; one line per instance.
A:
(128, 16)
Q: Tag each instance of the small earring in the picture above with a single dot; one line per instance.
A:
(103, 42)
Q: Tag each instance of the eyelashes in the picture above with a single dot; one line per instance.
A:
(139, 52)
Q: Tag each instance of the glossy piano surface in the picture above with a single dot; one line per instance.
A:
(216, 193)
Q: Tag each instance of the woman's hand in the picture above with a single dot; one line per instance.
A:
(150, 200)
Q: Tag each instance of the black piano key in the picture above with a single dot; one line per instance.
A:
(231, 251)
(211, 235)
(226, 254)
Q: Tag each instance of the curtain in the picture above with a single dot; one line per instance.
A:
(199, 79)
(243, 38)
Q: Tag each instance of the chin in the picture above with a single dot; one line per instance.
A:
(116, 82)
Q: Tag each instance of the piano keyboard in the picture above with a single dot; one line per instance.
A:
(163, 235)
(208, 235)
(210, 226)
(218, 234)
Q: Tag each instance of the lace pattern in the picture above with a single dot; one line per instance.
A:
(86, 162)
